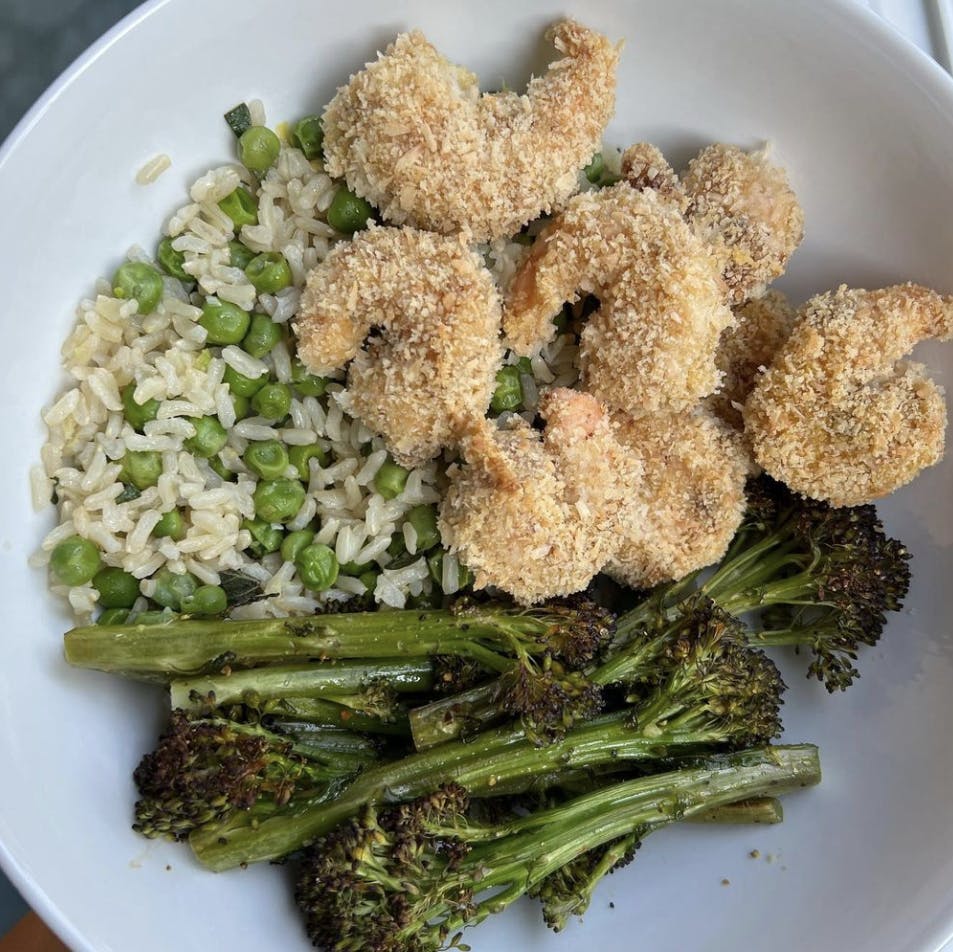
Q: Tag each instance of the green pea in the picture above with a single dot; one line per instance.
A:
(117, 589)
(424, 520)
(210, 437)
(354, 568)
(299, 457)
(390, 479)
(268, 459)
(593, 171)
(137, 414)
(258, 148)
(263, 334)
(317, 567)
(508, 394)
(142, 468)
(170, 526)
(272, 401)
(113, 616)
(241, 206)
(171, 588)
(205, 600)
(225, 323)
(75, 561)
(277, 500)
(172, 261)
(239, 255)
(221, 470)
(308, 135)
(307, 384)
(241, 405)
(152, 618)
(136, 279)
(347, 212)
(435, 567)
(243, 386)
(294, 542)
(265, 537)
(268, 273)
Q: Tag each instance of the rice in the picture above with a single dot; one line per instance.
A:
(153, 169)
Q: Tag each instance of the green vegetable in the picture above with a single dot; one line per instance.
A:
(205, 600)
(129, 492)
(317, 566)
(369, 580)
(307, 384)
(267, 459)
(172, 587)
(163, 617)
(278, 500)
(241, 206)
(113, 616)
(210, 437)
(240, 404)
(238, 119)
(172, 261)
(265, 537)
(170, 526)
(294, 542)
(272, 401)
(239, 255)
(390, 479)
(435, 568)
(300, 456)
(414, 876)
(138, 280)
(308, 135)
(595, 168)
(117, 589)
(268, 273)
(224, 322)
(142, 468)
(508, 394)
(263, 334)
(242, 386)
(74, 561)
(347, 212)
(424, 521)
(221, 470)
(137, 414)
(258, 148)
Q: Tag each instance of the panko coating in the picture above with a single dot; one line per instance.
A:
(839, 416)
(747, 349)
(412, 134)
(539, 516)
(694, 469)
(434, 361)
(651, 343)
(737, 201)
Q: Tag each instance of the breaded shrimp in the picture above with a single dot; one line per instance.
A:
(435, 360)
(651, 344)
(694, 471)
(539, 517)
(839, 416)
(412, 134)
(737, 201)
(746, 349)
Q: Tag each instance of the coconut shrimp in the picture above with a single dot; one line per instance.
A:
(539, 516)
(694, 469)
(839, 416)
(434, 363)
(412, 134)
(737, 201)
(746, 349)
(651, 343)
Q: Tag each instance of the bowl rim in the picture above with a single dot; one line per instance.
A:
(929, 75)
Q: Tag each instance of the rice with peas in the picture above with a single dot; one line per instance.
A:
(163, 355)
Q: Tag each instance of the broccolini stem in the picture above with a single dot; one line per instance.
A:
(316, 680)
(494, 763)
(330, 713)
(757, 810)
(183, 647)
(461, 714)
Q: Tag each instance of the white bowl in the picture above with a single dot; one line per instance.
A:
(863, 122)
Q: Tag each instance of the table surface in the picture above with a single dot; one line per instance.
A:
(42, 37)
